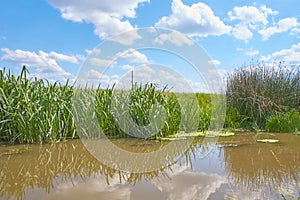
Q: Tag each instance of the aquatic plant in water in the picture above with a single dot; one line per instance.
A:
(256, 92)
(33, 110)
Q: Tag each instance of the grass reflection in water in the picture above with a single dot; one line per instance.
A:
(248, 164)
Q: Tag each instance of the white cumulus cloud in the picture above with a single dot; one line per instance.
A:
(99, 62)
(252, 52)
(195, 20)
(127, 67)
(290, 56)
(242, 32)
(62, 57)
(132, 56)
(283, 25)
(249, 19)
(108, 16)
(251, 15)
(94, 77)
(127, 38)
(45, 64)
(175, 38)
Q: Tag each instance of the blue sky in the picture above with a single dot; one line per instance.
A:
(53, 38)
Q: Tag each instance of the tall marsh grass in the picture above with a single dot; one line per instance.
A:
(33, 110)
(142, 99)
(256, 92)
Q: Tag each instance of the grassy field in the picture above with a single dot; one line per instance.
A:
(258, 98)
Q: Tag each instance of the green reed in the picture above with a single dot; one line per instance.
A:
(33, 110)
(112, 104)
(256, 92)
(142, 111)
(36, 111)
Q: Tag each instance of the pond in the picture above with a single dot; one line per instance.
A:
(237, 167)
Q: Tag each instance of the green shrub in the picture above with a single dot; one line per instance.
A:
(287, 122)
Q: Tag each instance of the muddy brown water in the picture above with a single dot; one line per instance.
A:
(237, 167)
